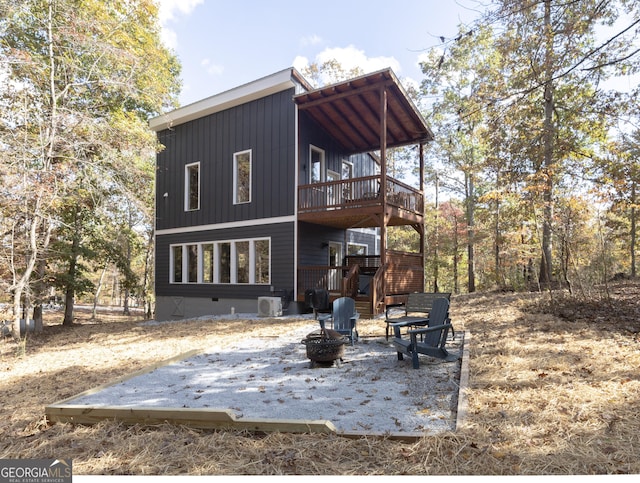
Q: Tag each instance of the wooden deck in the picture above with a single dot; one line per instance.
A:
(402, 274)
(357, 202)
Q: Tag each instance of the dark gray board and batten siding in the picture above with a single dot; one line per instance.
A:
(266, 126)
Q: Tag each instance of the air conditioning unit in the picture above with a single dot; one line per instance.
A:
(269, 306)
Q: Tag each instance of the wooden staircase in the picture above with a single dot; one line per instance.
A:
(363, 307)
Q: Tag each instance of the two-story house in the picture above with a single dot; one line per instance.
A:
(273, 188)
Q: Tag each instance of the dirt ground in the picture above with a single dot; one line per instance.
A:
(554, 389)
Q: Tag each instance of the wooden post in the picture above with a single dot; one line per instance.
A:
(383, 186)
(422, 228)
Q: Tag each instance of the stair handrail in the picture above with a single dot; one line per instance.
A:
(351, 282)
(377, 288)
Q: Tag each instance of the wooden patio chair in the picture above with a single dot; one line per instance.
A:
(416, 310)
(432, 339)
(343, 318)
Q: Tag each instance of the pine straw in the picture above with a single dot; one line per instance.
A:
(554, 389)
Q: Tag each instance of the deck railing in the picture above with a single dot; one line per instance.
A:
(402, 274)
(342, 280)
(356, 193)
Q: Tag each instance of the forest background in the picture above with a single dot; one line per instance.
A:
(532, 177)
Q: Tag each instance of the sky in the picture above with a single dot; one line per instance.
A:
(222, 44)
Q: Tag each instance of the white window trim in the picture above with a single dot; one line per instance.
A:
(233, 264)
(323, 163)
(216, 262)
(200, 267)
(235, 176)
(172, 262)
(186, 186)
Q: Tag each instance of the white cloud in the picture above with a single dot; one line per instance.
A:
(351, 57)
(168, 11)
(300, 62)
(168, 8)
(211, 68)
(310, 40)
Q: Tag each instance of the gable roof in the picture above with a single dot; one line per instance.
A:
(285, 79)
(352, 112)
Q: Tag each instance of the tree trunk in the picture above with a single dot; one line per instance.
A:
(456, 256)
(435, 240)
(96, 295)
(39, 290)
(546, 266)
(69, 296)
(147, 267)
(21, 278)
(471, 234)
(496, 254)
(68, 306)
(633, 230)
(127, 291)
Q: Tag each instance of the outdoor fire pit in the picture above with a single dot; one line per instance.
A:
(325, 346)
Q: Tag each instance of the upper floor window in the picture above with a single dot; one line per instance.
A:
(192, 187)
(347, 169)
(317, 171)
(242, 177)
(356, 249)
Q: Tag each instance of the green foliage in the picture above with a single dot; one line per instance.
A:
(82, 78)
(329, 72)
(522, 125)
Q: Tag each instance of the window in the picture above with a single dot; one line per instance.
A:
(192, 187)
(262, 257)
(347, 170)
(207, 263)
(242, 262)
(176, 253)
(224, 262)
(356, 249)
(317, 172)
(242, 177)
(192, 263)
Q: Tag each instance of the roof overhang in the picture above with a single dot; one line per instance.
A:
(283, 80)
(352, 112)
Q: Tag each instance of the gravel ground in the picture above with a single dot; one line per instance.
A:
(271, 377)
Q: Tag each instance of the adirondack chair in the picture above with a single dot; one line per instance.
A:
(416, 310)
(432, 339)
(343, 318)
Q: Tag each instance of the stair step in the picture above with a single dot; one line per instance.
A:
(364, 308)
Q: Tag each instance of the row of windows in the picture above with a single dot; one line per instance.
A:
(235, 261)
(241, 181)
